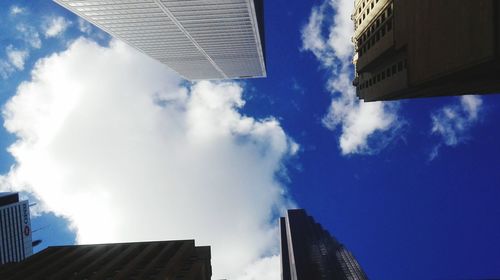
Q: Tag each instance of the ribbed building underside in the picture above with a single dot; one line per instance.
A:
(199, 39)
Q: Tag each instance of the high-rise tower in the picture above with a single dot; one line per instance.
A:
(199, 39)
(15, 229)
(423, 48)
(308, 252)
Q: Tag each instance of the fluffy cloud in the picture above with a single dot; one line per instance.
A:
(453, 123)
(365, 127)
(55, 26)
(29, 35)
(6, 69)
(265, 268)
(14, 61)
(16, 57)
(127, 151)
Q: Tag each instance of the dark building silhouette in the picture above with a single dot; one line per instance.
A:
(15, 229)
(424, 48)
(308, 252)
(140, 260)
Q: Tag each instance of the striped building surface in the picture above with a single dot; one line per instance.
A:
(308, 252)
(199, 39)
(15, 229)
(140, 260)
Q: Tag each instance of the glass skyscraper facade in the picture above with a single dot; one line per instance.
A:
(309, 252)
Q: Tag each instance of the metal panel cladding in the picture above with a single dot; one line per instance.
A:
(199, 39)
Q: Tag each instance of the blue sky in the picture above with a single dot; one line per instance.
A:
(410, 187)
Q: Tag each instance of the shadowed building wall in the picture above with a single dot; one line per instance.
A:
(424, 48)
(140, 260)
(308, 252)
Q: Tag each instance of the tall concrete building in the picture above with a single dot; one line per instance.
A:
(15, 229)
(308, 252)
(424, 48)
(140, 260)
(199, 39)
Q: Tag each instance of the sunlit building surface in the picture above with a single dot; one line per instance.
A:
(15, 229)
(140, 260)
(199, 39)
(423, 48)
(308, 252)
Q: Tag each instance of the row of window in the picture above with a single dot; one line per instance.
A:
(384, 74)
(387, 14)
(370, 4)
(387, 27)
(375, 32)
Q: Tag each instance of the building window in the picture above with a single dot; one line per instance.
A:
(393, 69)
(400, 66)
(388, 72)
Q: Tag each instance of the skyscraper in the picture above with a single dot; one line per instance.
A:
(423, 48)
(308, 252)
(15, 229)
(199, 39)
(139, 260)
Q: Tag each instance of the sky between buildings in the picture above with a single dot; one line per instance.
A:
(113, 146)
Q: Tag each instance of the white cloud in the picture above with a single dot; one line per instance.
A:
(55, 26)
(16, 57)
(84, 26)
(365, 127)
(453, 123)
(266, 268)
(16, 10)
(29, 35)
(15, 61)
(6, 69)
(126, 152)
(471, 105)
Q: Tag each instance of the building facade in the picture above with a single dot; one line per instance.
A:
(199, 39)
(140, 260)
(308, 252)
(424, 48)
(15, 229)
